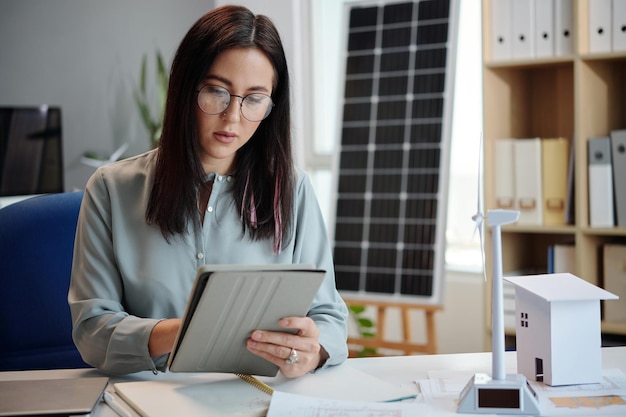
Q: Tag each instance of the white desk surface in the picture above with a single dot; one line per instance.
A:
(402, 370)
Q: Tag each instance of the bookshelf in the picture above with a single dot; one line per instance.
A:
(577, 96)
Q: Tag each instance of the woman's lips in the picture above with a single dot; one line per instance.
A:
(224, 137)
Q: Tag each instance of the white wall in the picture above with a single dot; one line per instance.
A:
(85, 56)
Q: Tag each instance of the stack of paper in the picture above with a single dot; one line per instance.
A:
(210, 394)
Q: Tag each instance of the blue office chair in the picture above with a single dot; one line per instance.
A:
(36, 249)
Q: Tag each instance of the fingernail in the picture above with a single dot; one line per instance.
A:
(257, 335)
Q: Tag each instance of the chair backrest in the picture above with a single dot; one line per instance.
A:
(36, 250)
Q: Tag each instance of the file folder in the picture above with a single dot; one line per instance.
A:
(528, 175)
(501, 30)
(600, 26)
(504, 179)
(523, 29)
(563, 27)
(601, 212)
(555, 161)
(619, 25)
(618, 162)
(544, 28)
(614, 262)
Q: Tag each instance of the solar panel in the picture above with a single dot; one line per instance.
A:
(394, 149)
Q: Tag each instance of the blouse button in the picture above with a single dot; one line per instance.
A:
(210, 209)
(220, 178)
(200, 255)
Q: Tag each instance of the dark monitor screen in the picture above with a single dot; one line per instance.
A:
(31, 151)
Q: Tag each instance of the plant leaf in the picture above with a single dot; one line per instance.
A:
(364, 322)
(144, 111)
(162, 81)
(357, 309)
(142, 75)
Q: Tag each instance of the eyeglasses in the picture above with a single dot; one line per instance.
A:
(255, 107)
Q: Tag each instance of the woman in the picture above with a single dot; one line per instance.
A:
(220, 189)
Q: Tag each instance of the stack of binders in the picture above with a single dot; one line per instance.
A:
(606, 26)
(528, 29)
(533, 175)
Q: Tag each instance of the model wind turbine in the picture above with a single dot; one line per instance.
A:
(498, 393)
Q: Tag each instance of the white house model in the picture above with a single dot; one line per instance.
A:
(558, 335)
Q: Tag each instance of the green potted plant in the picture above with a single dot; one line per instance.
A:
(152, 122)
(365, 327)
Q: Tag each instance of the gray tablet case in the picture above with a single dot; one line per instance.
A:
(51, 397)
(227, 303)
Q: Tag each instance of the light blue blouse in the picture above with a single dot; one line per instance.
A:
(126, 276)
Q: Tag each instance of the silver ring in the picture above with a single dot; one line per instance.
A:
(293, 358)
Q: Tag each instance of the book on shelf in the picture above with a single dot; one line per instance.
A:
(562, 258)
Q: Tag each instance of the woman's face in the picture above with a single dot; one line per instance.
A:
(241, 71)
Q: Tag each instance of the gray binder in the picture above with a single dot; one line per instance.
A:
(601, 212)
(618, 155)
(227, 303)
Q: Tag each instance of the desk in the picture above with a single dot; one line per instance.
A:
(402, 370)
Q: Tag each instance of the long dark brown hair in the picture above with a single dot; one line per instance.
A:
(263, 185)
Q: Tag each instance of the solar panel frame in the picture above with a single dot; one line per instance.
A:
(392, 166)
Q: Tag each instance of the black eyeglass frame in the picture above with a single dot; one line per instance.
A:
(243, 98)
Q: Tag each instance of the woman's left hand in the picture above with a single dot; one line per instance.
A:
(277, 347)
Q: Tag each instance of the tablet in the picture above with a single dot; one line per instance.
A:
(227, 303)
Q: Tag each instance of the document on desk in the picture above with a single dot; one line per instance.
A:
(442, 388)
(288, 405)
(212, 394)
(604, 399)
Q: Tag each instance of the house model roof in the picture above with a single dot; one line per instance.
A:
(560, 287)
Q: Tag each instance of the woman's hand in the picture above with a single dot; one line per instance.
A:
(276, 347)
